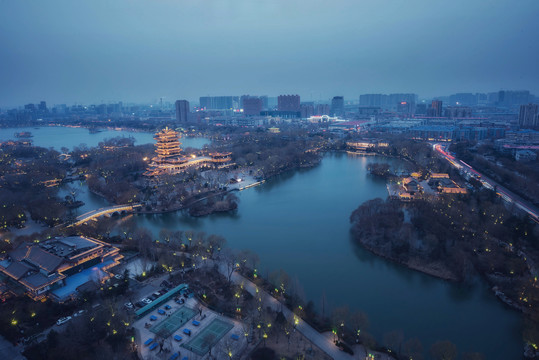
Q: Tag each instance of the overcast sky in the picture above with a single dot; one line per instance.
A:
(67, 51)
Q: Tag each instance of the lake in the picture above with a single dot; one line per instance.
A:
(300, 222)
(69, 137)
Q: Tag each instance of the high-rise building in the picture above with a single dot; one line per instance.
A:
(435, 108)
(288, 103)
(42, 106)
(528, 116)
(372, 100)
(513, 98)
(391, 101)
(182, 111)
(463, 99)
(321, 109)
(30, 107)
(406, 108)
(395, 99)
(265, 102)
(421, 109)
(337, 106)
(458, 112)
(272, 103)
(252, 105)
(219, 102)
(307, 109)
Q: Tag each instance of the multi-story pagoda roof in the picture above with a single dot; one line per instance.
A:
(168, 144)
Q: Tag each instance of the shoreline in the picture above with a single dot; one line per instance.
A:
(443, 274)
(184, 207)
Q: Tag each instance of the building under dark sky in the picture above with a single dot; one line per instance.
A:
(182, 111)
(528, 116)
(288, 103)
(337, 106)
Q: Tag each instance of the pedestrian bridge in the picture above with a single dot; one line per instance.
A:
(94, 214)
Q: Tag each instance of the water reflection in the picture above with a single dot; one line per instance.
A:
(300, 222)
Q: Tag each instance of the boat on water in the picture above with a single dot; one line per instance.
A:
(94, 130)
(24, 134)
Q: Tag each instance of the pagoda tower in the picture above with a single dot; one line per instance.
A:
(167, 146)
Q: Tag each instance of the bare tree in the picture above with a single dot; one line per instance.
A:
(393, 340)
(230, 262)
(339, 320)
(413, 349)
(358, 322)
(443, 350)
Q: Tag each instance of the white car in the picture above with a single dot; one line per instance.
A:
(118, 276)
(146, 301)
(79, 313)
(129, 305)
(63, 320)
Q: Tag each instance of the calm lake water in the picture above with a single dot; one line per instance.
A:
(60, 136)
(300, 222)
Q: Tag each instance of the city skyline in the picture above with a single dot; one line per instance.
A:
(100, 52)
(355, 100)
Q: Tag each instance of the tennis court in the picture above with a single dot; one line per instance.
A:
(172, 323)
(208, 337)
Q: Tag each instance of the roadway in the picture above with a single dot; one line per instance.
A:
(487, 182)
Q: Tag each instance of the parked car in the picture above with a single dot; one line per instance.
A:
(63, 320)
(119, 276)
(128, 305)
(79, 313)
(146, 301)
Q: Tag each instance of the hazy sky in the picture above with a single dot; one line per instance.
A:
(67, 51)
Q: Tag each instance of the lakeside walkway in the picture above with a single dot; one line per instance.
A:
(323, 341)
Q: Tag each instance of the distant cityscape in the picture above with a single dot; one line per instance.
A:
(462, 167)
(509, 117)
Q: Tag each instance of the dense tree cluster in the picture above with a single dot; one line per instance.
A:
(378, 169)
(25, 173)
(267, 154)
(419, 153)
(114, 168)
(453, 236)
(103, 334)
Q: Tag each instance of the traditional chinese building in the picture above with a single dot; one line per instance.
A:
(220, 157)
(169, 159)
(57, 268)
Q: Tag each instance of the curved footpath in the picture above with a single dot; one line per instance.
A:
(323, 341)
